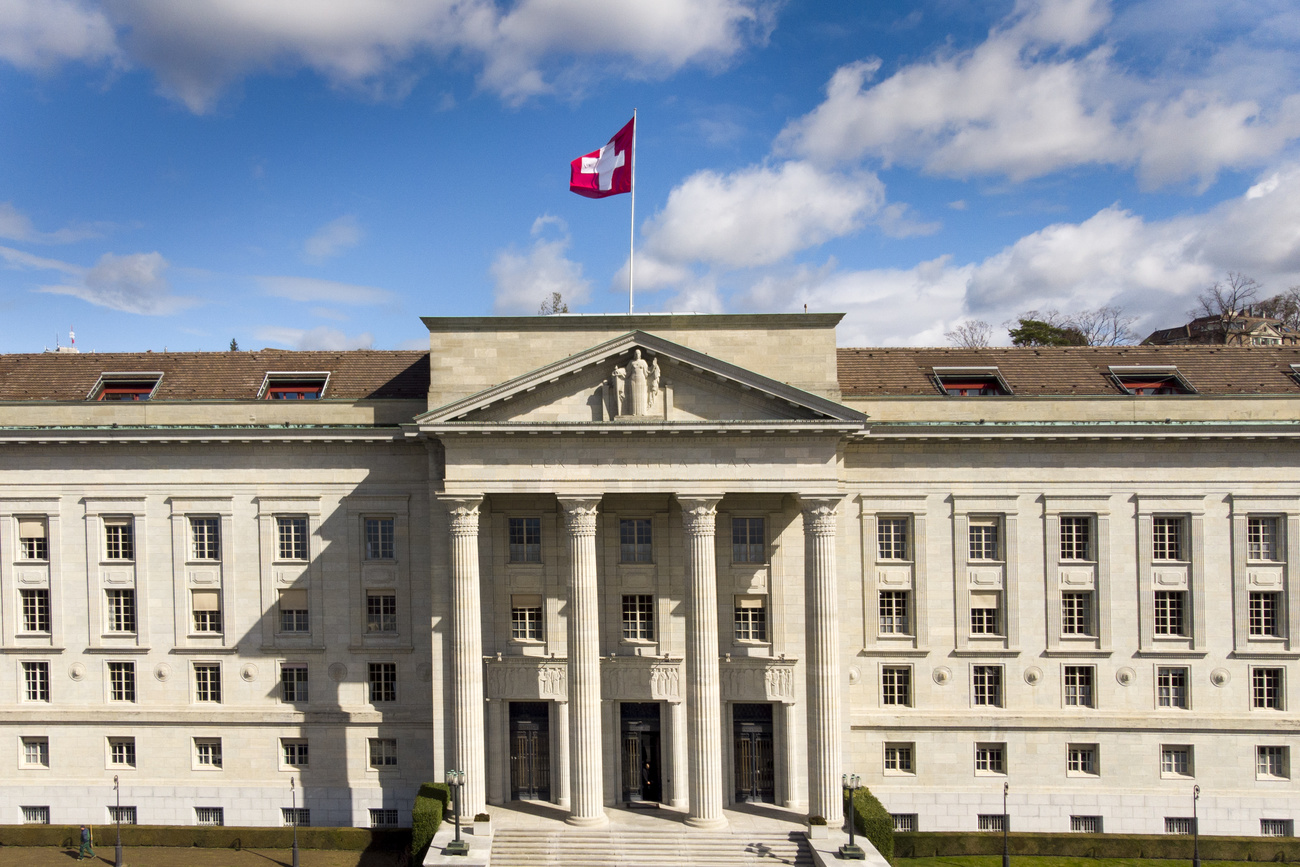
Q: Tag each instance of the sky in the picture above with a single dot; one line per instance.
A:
(318, 174)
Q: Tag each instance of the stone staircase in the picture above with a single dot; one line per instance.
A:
(667, 847)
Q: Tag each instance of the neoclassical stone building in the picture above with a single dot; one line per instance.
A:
(622, 560)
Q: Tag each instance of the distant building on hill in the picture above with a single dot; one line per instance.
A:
(1234, 328)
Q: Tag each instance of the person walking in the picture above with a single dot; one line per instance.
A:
(87, 850)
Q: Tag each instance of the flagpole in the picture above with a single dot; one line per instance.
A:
(631, 246)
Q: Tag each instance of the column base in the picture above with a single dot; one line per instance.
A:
(704, 824)
(587, 821)
(562, 803)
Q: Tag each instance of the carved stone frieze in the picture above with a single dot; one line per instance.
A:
(757, 680)
(526, 678)
(637, 678)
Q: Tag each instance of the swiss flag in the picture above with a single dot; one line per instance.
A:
(608, 171)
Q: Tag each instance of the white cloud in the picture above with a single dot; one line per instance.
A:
(333, 238)
(525, 280)
(17, 226)
(40, 34)
(309, 289)
(133, 283)
(18, 259)
(315, 338)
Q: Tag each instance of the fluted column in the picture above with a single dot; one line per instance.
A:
(703, 699)
(467, 651)
(823, 641)
(586, 779)
(560, 774)
(678, 743)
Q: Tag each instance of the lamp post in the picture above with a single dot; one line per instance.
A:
(851, 851)
(293, 789)
(456, 779)
(117, 818)
(1196, 828)
(1006, 826)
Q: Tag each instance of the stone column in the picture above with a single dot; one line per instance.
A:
(820, 521)
(467, 652)
(793, 779)
(586, 749)
(560, 774)
(703, 700)
(677, 741)
(497, 738)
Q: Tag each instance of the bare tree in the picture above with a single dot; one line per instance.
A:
(1226, 297)
(974, 334)
(554, 304)
(1105, 326)
(1284, 307)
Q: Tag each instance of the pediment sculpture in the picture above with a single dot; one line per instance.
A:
(635, 390)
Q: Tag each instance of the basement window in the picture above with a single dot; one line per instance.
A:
(299, 385)
(1163, 379)
(970, 381)
(125, 386)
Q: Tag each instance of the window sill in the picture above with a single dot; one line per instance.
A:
(903, 774)
(279, 562)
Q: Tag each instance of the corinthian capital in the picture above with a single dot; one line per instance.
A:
(580, 514)
(820, 517)
(464, 514)
(699, 514)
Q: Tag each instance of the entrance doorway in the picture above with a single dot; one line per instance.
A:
(755, 768)
(530, 751)
(642, 773)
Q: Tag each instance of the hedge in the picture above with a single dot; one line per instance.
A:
(873, 821)
(936, 844)
(430, 805)
(206, 837)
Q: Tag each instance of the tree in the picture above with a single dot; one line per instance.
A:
(1284, 307)
(1226, 297)
(1105, 326)
(1036, 332)
(551, 306)
(234, 345)
(974, 334)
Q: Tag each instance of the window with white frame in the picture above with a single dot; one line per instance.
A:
(990, 758)
(1076, 538)
(381, 611)
(1262, 539)
(635, 540)
(1171, 687)
(984, 605)
(214, 816)
(121, 610)
(383, 817)
(383, 753)
(121, 681)
(1167, 542)
(983, 536)
(1079, 686)
(525, 540)
(904, 823)
(36, 815)
(36, 610)
(121, 752)
(1176, 760)
(1277, 827)
(207, 753)
(748, 540)
(294, 752)
(991, 822)
(121, 815)
(1170, 613)
(892, 538)
(293, 611)
(896, 685)
(1179, 824)
(207, 682)
(379, 539)
(1076, 612)
(1266, 688)
(33, 539)
(119, 539)
(986, 685)
(1263, 614)
(751, 618)
(899, 758)
(638, 617)
(1085, 824)
(36, 681)
(893, 612)
(383, 681)
(36, 752)
(206, 605)
(1272, 763)
(291, 537)
(205, 539)
(296, 816)
(1081, 760)
(526, 617)
(293, 683)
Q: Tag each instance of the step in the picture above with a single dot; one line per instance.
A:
(667, 847)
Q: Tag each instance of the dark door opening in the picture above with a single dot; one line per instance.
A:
(642, 773)
(530, 751)
(755, 769)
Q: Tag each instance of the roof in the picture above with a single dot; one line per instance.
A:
(359, 374)
(1071, 370)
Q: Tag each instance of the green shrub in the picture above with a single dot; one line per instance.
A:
(816, 820)
(873, 821)
(354, 839)
(949, 844)
(430, 804)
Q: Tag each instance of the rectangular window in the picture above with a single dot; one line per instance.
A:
(121, 681)
(121, 815)
(207, 752)
(892, 538)
(991, 822)
(983, 533)
(1078, 686)
(383, 753)
(1076, 537)
(904, 823)
(1263, 614)
(987, 685)
(383, 681)
(36, 815)
(295, 752)
(898, 759)
(383, 818)
(1271, 763)
(893, 612)
(36, 681)
(751, 618)
(379, 539)
(748, 540)
(1266, 688)
(207, 610)
(215, 816)
(638, 618)
(1170, 619)
(1167, 538)
(121, 751)
(634, 540)
(1085, 824)
(1176, 761)
(1081, 759)
(207, 682)
(119, 539)
(293, 683)
(525, 540)
(1277, 827)
(300, 816)
(381, 611)
(990, 758)
(1261, 539)
(36, 752)
(1076, 612)
(291, 533)
(205, 539)
(984, 606)
(526, 617)
(1171, 687)
(36, 610)
(293, 611)
(33, 541)
(1179, 824)
(896, 685)
(121, 610)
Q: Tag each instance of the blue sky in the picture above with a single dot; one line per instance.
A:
(320, 173)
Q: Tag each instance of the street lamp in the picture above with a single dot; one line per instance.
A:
(117, 817)
(456, 779)
(293, 789)
(1006, 826)
(1196, 828)
(851, 851)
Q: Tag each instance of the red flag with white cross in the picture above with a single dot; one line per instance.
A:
(608, 171)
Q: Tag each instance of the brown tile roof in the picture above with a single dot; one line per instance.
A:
(354, 375)
(1071, 370)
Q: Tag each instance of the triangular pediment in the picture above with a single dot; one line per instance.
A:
(639, 380)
